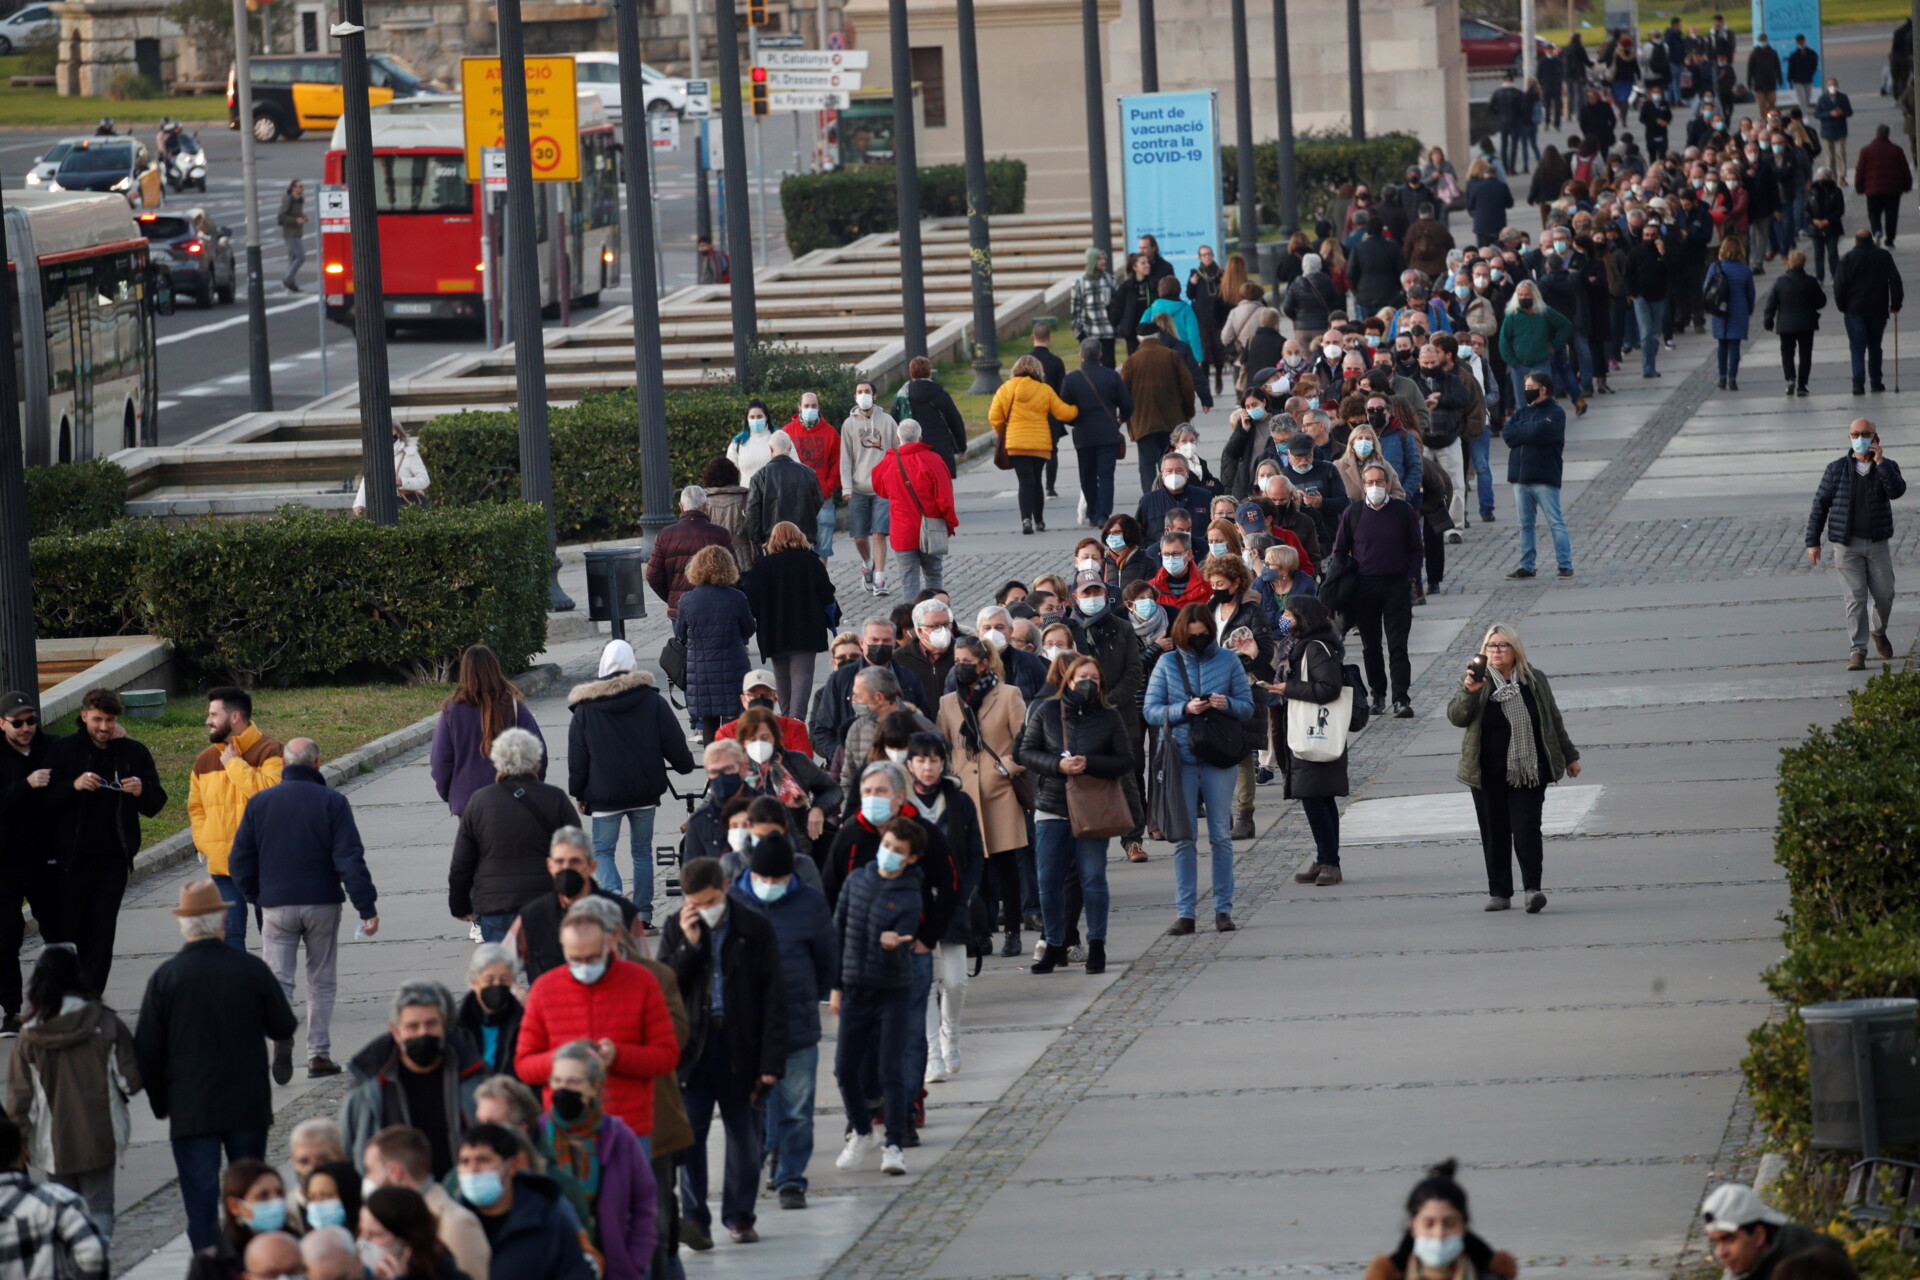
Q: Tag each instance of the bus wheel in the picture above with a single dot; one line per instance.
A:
(130, 431)
(266, 127)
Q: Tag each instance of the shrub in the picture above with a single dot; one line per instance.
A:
(1321, 161)
(306, 594)
(826, 210)
(40, 53)
(75, 497)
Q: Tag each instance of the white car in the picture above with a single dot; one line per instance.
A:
(22, 25)
(600, 73)
(44, 167)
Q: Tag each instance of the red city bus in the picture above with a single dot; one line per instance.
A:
(430, 252)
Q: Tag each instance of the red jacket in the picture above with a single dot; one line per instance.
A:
(1199, 590)
(626, 1007)
(819, 447)
(924, 470)
(793, 734)
(1881, 169)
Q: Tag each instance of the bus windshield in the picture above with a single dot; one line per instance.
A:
(421, 184)
(98, 160)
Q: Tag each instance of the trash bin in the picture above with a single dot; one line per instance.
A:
(1269, 253)
(616, 586)
(1863, 1065)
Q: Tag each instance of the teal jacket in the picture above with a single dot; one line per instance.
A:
(1185, 326)
(1466, 708)
(1528, 339)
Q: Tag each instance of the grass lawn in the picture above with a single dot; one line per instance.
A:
(340, 718)
(957, 377)
(43, 108)
(1833, 13)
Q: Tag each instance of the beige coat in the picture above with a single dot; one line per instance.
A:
(1003, 823)
(459, 1230)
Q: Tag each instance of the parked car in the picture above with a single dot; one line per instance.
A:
(121, 164)
(196, 254)
(1487, 45)
(44, 167)
(600, 73)
(23, 24)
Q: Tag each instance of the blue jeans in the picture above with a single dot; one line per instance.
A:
(1863, 347)
(197, 1160)
(1583, 359)
(236, 911)
(714, 1083)
(1519, 374)
(1729, 354)
(1096, 480)
(1482, 447)
(1217, 785)
(876, 1018)
(1650, 315)
(918, 995)
(790, 1119)
(494, 925)
(606, 856)
(1547, 498)
(823, 529)
(1063, 855)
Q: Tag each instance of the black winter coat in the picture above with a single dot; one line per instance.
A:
(540, 932)
(1649, 275)
(622, 738)
(856, 846)
(1109, 640)
(1314, 677)
(1488, 200)
(790, 594)
(833, 709)
(1098, 733)
(1264, 345)
(1833, 501)
(1099, 393)
(103, 823)
(500, 852)
(716, 623)
(803, 930)
(24, 844)
(1373, 273)
(1794, 303)
(471, 1017)
(1309, 301)
(960, 824)
(202, 1038)
(784, 489)
(942, 429)
(1828, 201)
(753, 994)
(1866, 284)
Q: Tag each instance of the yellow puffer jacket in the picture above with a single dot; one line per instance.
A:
(217, 793)
(1019, 413)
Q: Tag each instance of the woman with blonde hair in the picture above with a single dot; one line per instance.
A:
(1515, 745)
(1363, 450)
(791, 597)
(715, 624)
(1019, 414)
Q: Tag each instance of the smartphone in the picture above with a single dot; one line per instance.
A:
(1478, 667)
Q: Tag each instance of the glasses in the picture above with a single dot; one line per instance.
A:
(1498, 644)
(24, 722)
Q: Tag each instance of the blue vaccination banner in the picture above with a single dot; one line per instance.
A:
(1782, 20)
(1170, 167)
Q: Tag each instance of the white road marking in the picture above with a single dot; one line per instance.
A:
(229, 322)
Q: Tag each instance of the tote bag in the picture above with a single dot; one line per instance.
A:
(1317, 732)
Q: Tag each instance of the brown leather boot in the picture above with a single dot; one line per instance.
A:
(1329, 875)
(1310, 876)
(1242, 825)
(1181, 928)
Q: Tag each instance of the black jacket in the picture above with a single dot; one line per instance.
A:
(1794, 303)
(1833, 501)
(960, 824)
(1649, 275)
(833, 709)
(103, 823)
(942, 429)
(540, 1236)
(500, 851)
(1309, 301)
(1098, 733)
(1321, 685)
(1447, 419)
(24, 810)
(1597, 122)
(1099, 394)
(1509, 107)
(1866, 284)
(471, 1017)
(753, 994)
(1763, 68)
(1826, 200)
(929, 674)
(790, 595)
(1373, 273)
(784, 489)
(873, 905)
(622, 738)
(540, 929)
(856, 845)
(1110, 641)
(202, 1038)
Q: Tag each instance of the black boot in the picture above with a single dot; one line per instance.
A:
(1096, 956)
(1011, 947)
(1050, 959)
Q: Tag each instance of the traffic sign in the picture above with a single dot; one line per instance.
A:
(663, 128)
(553, 115)
(778, 80)
(788, 41)
(493, 168)
(699, 99)
(814, 59)
(810, 100)
(334, 209)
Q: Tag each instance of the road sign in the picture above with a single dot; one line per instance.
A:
(699, 99)
(783, 42)
(493, 168)
(810, 100)
(553, 114)
(333, 209)
(846, 80)
(813, 59)
(663, 127)
(836, 40)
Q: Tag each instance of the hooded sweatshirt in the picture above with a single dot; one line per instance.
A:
(68, 1086)
(819, 447)
(858, 457)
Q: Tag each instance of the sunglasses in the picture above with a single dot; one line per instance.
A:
(22, 722)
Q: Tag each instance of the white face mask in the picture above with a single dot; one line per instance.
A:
(998, 639)
(1086, 564)
(760, 751)
(1376, 495)
(738, 838)
(897, 754)
(865, 400)
(1053, 651)
(711, 915)
(1174, 482)
(939, 638)
(1188, 450)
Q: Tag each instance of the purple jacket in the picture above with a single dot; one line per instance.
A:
(626, 1204)
(459, 766)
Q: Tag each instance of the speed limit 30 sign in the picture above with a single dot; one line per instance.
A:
(553, 117)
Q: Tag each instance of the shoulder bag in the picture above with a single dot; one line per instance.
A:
(1215, 737)
(933, 529)
(1713, 295)
(1167, 811)
(1316, 731)
(1339, 576)
(1021, 782)
(1097, 808)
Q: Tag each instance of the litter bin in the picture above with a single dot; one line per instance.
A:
(1269, 252)
(617, 586)
(1863, 1064)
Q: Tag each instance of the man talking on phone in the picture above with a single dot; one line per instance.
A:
(1854, 504)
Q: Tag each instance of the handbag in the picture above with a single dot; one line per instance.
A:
(1339, 580)
(1317, 731)
(1097, 808)
(933, 530)
(1214, 737)
(1167, 811)
(1001, 458)
(1713, 294)
(673, 662)
(1021, 782)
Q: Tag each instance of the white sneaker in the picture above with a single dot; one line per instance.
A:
(936, 1071)
(1454, 537)
(473, 932)
(880, 587)
(953, 1064)
(866, 575)
(892, 1162)
(858, 1144)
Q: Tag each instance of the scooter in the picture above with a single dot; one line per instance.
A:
(187, 166)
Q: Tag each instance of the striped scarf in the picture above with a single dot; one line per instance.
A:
(1523, 753)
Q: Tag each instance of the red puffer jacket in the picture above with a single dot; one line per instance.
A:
(626, 1007)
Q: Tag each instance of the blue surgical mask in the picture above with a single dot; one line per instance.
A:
(769, 892)
(1257, 412)
(809, 416)
(1463, 291)
(1115, 542)
(588, 974)
(1862, 445)
(1092, 606)
(266, 1215)
(1497, 273)
(1363, 447)
(1176, 565)
(1144, 608)
(890, 862)
(326, 1213)
(876, 809)
(482, 1190)
(756, 424)
(1218, 548)
(1438, 1253)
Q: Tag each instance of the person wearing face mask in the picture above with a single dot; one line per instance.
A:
(928, 652)
(835, 711)
(491, 1010)
(1179, 582)
(1826, 220)
(1536, 438)
(1249, 439)
(759, 689)
(816, 444)
(534, 1231)
(397, 1156)
(1176, 490)
(602, 1153)
(943, 801)
(398, 1239)
(500, 851)
(1383, 534)
(1853, 509)
(866, 437)
(994, 625)
(752, 448)
(253, 1203)
(1436, 1244)
(330, 1195)
(419, 1072)
(980, 719)
(877, 694)
(806, 793)
(1833, 110)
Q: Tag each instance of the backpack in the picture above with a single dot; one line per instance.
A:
(1713, 295)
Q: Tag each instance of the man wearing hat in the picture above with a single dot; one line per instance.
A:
(28, 868)
(760, 690)
(1750, 1237)
(1321, 490)
(205, 1021)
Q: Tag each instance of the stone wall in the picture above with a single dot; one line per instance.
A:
(98, 40)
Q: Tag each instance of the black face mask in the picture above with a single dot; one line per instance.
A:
(1526, 304)
(1377, 419)
(879, 655)
(1221, 595)
(569, 1104)
(765, 704)
(1086, 691)
(422, 1051)
(965, 673)
(569, 883)
(1199, 645)
(496, 998)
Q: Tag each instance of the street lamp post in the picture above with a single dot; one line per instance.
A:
(906, 177)
(259, 377)
(1150, 48)
(1243, 139)
(19, 665)
(1356, 88)
(649, 385)
(1097, 129)
(1283, 99)
(986, 336)
(733, 143)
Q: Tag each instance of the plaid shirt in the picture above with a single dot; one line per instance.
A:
(1091, 298)
(45, 1233)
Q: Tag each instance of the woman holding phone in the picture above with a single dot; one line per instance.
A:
(1515, 745)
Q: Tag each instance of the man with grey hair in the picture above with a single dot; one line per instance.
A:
(331, 1254)
(877, 694)
(419, 1072)
(834, 709)
(500, 852)
(785, 489)
(201, 1041)
(865, 438)
(298, 856)
(676, 545)
(573, 867)
(996, 626)
(928, 652)
(919, 491)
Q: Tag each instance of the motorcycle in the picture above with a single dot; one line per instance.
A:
(186, 165)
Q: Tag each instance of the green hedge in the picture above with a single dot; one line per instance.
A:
(475, 457)
(825, 210)
(306, 595)
(1321, 162)
(74, 497)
